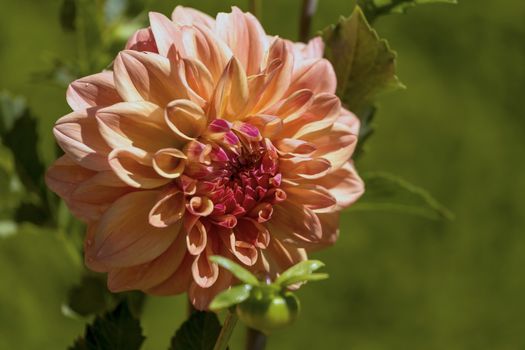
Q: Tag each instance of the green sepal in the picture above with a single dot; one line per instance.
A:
(237, 270)
(231, 297)
(301, 269)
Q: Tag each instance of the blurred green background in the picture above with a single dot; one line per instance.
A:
(397, 281)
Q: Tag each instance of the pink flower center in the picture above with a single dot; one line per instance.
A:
(237, 170)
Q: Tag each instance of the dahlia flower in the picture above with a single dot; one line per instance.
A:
(208, 137)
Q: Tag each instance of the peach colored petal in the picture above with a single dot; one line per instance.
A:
(279, 74)
(231, 93)
(289, 146)
(169, 162)
(200, 206)
(205, 273)
(168, 210)
(77, 134)
(281, 256)
(197, 238)
(314, 197)
(202, 45)
(335, 144)
(145, 76)
(188, 16)
(134, 124)
(142, 40)
(199, 78)
(202, 297)
(186, 119)
(178, 282)
(166, 33)
(245, 36)
(124, 236)
(295, 224)
(323, 112)
(330, 224)
(91, 91)
(304, 167)
(135, 168)
(295, 105)
(316, 75)
(268, 125)
(150, 274)
(313, 49)
(344, 184)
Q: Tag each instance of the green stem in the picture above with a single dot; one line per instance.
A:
(255, 340)
(226, 331)
(307, 12)
(255, 7)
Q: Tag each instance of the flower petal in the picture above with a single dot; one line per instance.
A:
(344, 184)
(188, 16)
(142, 40)
(91, 91)
(150, 274)
(186, 119)
(169, 162)
(178, 282)
(134, 124)
(168, 210)
(145, 76)
(316, 75)
(124, 236)
(77, 134)
(245, 36)
(135, 168)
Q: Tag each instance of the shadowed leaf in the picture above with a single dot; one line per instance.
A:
(386, 192)
(199, 332)
(116, 330)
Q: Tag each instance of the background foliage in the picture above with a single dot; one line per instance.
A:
(397, 281)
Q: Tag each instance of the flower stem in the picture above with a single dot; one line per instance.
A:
(255, 340)
(226, 331)
(255, 7)
(307, 12)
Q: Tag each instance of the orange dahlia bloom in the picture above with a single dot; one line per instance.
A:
(209, 137)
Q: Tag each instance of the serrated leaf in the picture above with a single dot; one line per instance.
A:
(199, 332)
(363, 62)
(387, 192)
(312, 277)
(116, 330)
(376, 8)
(231, 297)
(298, 270)
(237, 270)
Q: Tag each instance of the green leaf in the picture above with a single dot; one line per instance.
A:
(299, 270)
(116, 330)
(365, 131)
(364, 63)
(199, 332)
(237, 270)
(91, 296)
(19, 134)
(305, 278)
(230, 297)
(376, 8)
(387, 192)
